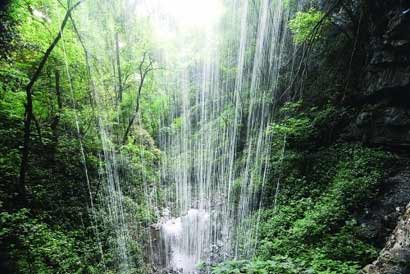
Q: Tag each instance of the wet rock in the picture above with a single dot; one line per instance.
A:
(381, 125)
(396, 117)
(380, 218)
(363, 119)
(389, 47)
(395, 257)
(171, 271)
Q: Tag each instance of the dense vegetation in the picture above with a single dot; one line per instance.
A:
(46, 223)
(51, 208)
(326, 174)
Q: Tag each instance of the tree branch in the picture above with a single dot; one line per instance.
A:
(29, 105)
(117, 54)
(38, 128)
(143, 73)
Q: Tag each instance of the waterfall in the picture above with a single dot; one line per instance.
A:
(220, 64)
(222, 83)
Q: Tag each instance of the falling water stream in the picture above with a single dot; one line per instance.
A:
(216, 135)
(220, 61)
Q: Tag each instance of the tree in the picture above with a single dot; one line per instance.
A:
(143, 71)
(29, 116)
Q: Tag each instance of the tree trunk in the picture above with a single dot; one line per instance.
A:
(117, 53)
(56, 120)
(28, 117)
(137, 107)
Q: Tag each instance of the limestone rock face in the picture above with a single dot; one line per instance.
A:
(384, 118)
(380, 217)
(387, 126)
(395, 257)
(385, 121)
(389, 47)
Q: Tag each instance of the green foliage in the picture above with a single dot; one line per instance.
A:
(313, 225)
(277, 264)
(319, 235)
(38, 248)
(312, 229)
(299, 127)
(303, 25)
(57, 235)
(316, 227)
(295, 125)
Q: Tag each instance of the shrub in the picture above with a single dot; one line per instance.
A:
(304, 23)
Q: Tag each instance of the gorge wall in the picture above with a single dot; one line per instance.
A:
(385, 121)
(374, 110)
